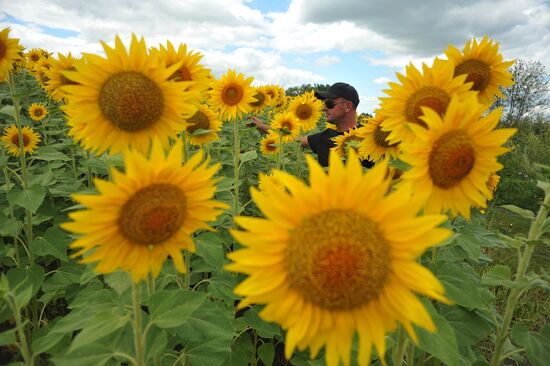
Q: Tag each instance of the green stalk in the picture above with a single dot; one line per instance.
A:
(535, 230)
(399, 350)
(20, 329)
(138, 335)
(15, 241)
(150, 292)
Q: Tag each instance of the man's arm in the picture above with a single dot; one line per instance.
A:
(260, 125)
(304, 141)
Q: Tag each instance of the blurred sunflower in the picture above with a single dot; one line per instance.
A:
(9, 53)
(147, 214)
(124, 100)
(484, 67)
(269, 145)
(10, 139)
(33, 56)
(307, 109)
(38, 111)
(374, 145)
(263, 99)
(232, 94)
(267, 182)
(55, 76)
(286, 125)
(348, 140)
(492, 184)
(452, 159)
(337, 264)
(203, 126)
(432, 88)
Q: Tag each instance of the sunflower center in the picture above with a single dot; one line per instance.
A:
(15, 140)
(287, 127)
(38, 112)
(271, 145)
(35, 57)
(451, 159)
(232, 95)
(304, 111)
(260, 99)
(198, 120)
(478, 72)
(153, 214)
(381, 136)
(131, 101)
(427, 96)
(337, 260)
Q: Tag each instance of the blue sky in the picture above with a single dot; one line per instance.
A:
(291, 42)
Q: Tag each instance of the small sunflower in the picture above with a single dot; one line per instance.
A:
(263, 99)
(374, 144)
(432, 88)
(269, 145)
(232, 94)
(452, 159)
(146, 214)
(338, 264)
(204, 126)
(55, 76)
(38, 111)
(11, 140)
(9, 53)
(484, 67)
(492, 184)
(348, 140)
(308, 109)
(287, 125)
(124, 100)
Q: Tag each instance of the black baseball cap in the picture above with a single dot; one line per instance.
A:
(339, 90)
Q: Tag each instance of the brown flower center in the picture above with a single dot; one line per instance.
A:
(304, 111)
(35, 57)
(478, 72)
(337, 260)
(427, 96)
(38, 112)
(260, 99)
(15, 140)
(232, 94)
(270, 145)
(451, 159)
(131, 101)
(381, 136)
(153, 214)
(198, 120)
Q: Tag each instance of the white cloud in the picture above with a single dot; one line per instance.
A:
(381, 80)
(326, 61)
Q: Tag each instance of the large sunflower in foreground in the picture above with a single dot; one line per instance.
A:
(374, 144)
(452, 159)
(9, 53)
(484, 67)
(336, 263)
(10, 139)
(55, 76)
(433, 88)
(308, 109)
(38, 111)
(146, 214)
(286, 125)
(124, 100)
(232, 94)
(204, 126)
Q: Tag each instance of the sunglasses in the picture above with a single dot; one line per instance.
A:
(331, 103)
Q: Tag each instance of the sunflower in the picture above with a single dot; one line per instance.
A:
(287, 125)
(146, 214)
(267, 182)
(263, 99)
(492, 184)
(269, 145)
(452, 159)
(484, 67)
(9, 53)
(347, 140)
(55, 76)
(190, 68)
(38, 111)
(337, 264)
(374, 145)
(330, 126)
(307, 109)
(11, 140)
(124, 100)
(232, 94)
(432, 88)
(204, 126)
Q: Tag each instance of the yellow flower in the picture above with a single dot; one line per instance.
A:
(262, 99)
(492, 184)
(204, 126)
(330, 260)
(432, 88)
(287, 125)
(9, 53)
(38, 111)
(11, 140)
(374, 145)
(146, 214)
(55, 76)
(269, 145)
(232, 94)
(124, 100)
(343, 142)
(452, 159)
(307, 109)
(484, 67)
(267, 182)
(33, 56)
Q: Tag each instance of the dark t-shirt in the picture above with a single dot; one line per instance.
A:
(321, 143)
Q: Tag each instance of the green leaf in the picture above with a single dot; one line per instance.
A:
(249, 155)
(99, 326)
(210, 248)
(545, 186)
(528, 214)
(48, 153)
(8, 337)
(512, 243)
(9, 226)
(30, 199)
(118, 281)
(221, 286)
(54, 242)
(200, 132)
(499, 275)
(537, 345)
(92, 355)
(46, 342)
(469, 326)
(462, 284)
(266, 353)
(8, 110)
(263, 328)
(172, 308)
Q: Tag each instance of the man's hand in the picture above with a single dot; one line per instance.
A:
(258, 123)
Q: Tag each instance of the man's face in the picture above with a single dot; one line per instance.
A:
(335, 109)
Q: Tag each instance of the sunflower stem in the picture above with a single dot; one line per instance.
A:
(20, 329)
(138, 335)
(410, 354)
(399, 350)
(236, 159)
(535, 231)
(150, 292)
(7, 182)
(187, 259)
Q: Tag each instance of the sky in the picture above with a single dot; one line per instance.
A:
(291, 42)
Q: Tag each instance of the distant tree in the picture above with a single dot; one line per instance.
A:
(297, 90)
(528, 93)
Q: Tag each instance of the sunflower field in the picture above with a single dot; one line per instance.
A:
(145, 220)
